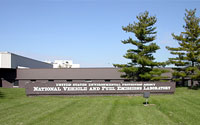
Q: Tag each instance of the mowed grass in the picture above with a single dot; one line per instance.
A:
(182, 108)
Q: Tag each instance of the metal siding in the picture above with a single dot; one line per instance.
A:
(27, 62)
(78, 73)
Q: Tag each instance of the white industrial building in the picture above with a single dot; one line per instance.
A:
(65, 64)
(10, 60)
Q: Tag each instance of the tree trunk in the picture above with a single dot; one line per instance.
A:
(183, 82)
(192, 81)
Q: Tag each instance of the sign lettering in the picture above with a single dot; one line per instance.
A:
(60, 88)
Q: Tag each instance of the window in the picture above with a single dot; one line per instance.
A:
(32, 80)
(88, 80)
(50, 80)
(16, 83)
(107, 80)
(69, 80)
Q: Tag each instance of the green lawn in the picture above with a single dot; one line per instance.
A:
(181, 108)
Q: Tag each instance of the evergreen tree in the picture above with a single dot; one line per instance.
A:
(187, 60)
(141, 67)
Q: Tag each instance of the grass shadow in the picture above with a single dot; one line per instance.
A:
(195, 87)
(1, 95)
(145, 103)
(189, 87)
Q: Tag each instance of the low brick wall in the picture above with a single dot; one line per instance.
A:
(6, 84)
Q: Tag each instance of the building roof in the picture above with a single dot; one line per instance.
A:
(69, 73)
(75, 73)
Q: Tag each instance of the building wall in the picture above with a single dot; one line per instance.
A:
(26, 76)
(65, 64)
(5, 60)
(7, 77)
(10, 60)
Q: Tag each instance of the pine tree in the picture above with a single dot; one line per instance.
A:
(141, 67)
(187, 60)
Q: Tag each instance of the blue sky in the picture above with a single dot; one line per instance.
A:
(89, 32)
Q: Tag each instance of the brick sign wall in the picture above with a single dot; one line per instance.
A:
(91, 88)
